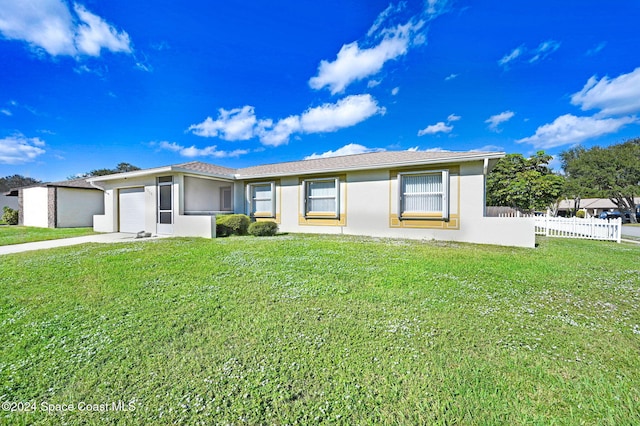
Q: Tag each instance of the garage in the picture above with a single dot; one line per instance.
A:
(131, 202)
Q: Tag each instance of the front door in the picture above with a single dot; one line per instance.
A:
(165, 205)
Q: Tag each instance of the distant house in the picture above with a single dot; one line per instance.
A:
(65, 204)
(591, 206)
(405, 194)
(8, 201)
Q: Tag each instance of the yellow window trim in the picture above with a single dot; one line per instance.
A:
(324, 219)
(452, 224)
(260, 216)
(424, 221)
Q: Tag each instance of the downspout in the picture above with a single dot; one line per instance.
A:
(485, 172)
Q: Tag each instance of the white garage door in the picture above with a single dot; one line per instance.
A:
(131, 210)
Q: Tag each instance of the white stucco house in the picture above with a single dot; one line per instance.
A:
(65, 204)
(403, 194)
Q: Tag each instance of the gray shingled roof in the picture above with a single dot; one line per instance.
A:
(73, 183)
(370, 160)
(200, 167)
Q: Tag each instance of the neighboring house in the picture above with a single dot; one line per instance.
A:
(405, 194)
(8, 201)
(65, 204)
(591, 206)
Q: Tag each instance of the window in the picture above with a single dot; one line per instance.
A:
(262, 199)
(321, 197)
(424, 195)
(225, 198)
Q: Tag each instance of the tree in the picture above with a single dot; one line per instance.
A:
(120, 168)
(16, 181)
(526, 184)
(612, 172)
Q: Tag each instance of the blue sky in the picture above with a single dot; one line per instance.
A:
(89, 84)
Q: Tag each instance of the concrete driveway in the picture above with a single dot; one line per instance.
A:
(117, 237)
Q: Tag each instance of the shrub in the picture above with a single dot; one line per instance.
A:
(232, 224)
(580, 214)
(10, 216)
(263, 229)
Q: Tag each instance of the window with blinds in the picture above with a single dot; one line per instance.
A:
(321, 197)
(262, 199)
(424, 195)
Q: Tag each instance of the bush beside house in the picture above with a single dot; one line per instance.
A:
(10, 216)
(263, 229)
(232, 224)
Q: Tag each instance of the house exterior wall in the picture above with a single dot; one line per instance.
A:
(6, 201)
(35, 207)
(185, 192)
(202, 195)
(76, 207)
(109, 221)
(369, 206)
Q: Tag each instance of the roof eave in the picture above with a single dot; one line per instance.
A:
(201, 173)
(128, 175)
(460, 159)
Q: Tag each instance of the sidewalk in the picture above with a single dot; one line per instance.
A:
(64, 242)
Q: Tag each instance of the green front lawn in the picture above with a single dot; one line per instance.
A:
(27, 234)
(322, 330)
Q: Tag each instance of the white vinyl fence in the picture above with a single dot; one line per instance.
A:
(574, 227)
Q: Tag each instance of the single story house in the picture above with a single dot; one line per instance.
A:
(591, 206)
(65, 204)
(403, 194)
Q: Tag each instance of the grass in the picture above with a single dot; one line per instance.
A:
(322, 330)
(27, 234)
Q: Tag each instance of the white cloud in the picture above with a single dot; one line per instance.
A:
(373, 83)
(543, 50)
(18, 149)
(192, 151)
(353, 63)
(451, 77)
(495, 120)
(391, 36)
(510, 57)
(6, 112)
(94, 34)
(436, 149)
(51, 26)
(350, 149)
(242, 124)
(346, 112)
(570, 130)
(617, 96)
(383, 16)
(395, 91)
(489, 148)
(596, 49)
(439, 127)
(280, 133)
(233, 125)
